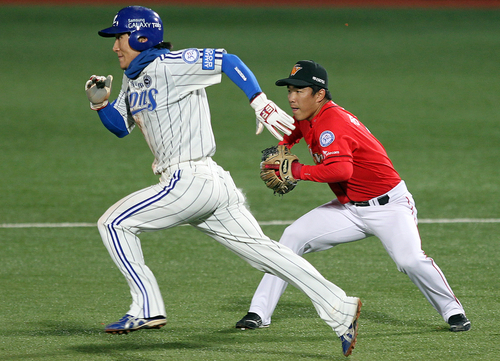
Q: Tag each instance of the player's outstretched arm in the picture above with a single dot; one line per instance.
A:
(268, 114)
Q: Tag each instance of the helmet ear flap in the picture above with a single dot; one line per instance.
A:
(135, 42)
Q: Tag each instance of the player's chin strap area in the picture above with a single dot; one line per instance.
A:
(392, 195)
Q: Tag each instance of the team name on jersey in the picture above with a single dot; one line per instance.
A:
(143, 96)
(319, 157)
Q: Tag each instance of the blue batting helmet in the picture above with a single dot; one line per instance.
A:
(139, 22)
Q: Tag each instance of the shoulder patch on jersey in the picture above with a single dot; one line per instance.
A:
(208, 59)
(326, 138)
(190, 56)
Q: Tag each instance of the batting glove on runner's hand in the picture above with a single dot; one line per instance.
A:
(269, 115)
(98, 89)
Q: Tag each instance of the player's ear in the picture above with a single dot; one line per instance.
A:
(143, 39)
(320, 95)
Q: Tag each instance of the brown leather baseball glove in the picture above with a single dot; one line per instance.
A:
(276, 169)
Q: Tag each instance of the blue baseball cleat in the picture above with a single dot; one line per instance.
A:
(349, 338)
(129, 323)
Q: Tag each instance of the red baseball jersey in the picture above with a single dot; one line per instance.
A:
(335, 135)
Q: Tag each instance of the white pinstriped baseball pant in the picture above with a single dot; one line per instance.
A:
(394, 223)
(202, 194)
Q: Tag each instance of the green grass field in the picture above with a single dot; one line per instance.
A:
(425, 82)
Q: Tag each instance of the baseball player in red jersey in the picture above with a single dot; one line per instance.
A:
(372, 200)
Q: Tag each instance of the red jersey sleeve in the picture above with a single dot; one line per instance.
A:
(336, 138)
(327, 173)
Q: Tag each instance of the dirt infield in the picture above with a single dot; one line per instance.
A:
(274, 3)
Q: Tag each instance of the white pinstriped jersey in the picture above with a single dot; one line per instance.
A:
(168, 102)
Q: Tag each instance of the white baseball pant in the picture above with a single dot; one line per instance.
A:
(202, 194)
(394, 223)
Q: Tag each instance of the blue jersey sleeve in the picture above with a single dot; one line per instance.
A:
(113, 121)
(240, 75)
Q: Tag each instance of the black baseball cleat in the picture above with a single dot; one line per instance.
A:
(459, 323)
(251, 321)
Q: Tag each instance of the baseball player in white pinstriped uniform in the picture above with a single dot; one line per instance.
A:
(163, 93)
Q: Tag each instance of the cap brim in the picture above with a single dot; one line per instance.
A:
(110, 32)
(294, 82)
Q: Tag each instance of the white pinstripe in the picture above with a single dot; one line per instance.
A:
(179, 128)
(168, 102)
(204, 195)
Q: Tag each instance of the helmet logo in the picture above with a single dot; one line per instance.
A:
(295, 69)
(142, 23)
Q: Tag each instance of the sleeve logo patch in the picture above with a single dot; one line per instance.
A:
(190, 56)
(208, 59)
(326, 138)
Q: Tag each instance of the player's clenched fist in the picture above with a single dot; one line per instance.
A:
(269, 115)
(98, 89)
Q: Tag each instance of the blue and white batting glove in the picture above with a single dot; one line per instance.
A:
(269, 115)
(98, 89)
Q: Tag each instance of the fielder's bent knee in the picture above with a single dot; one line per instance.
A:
(294, 239)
